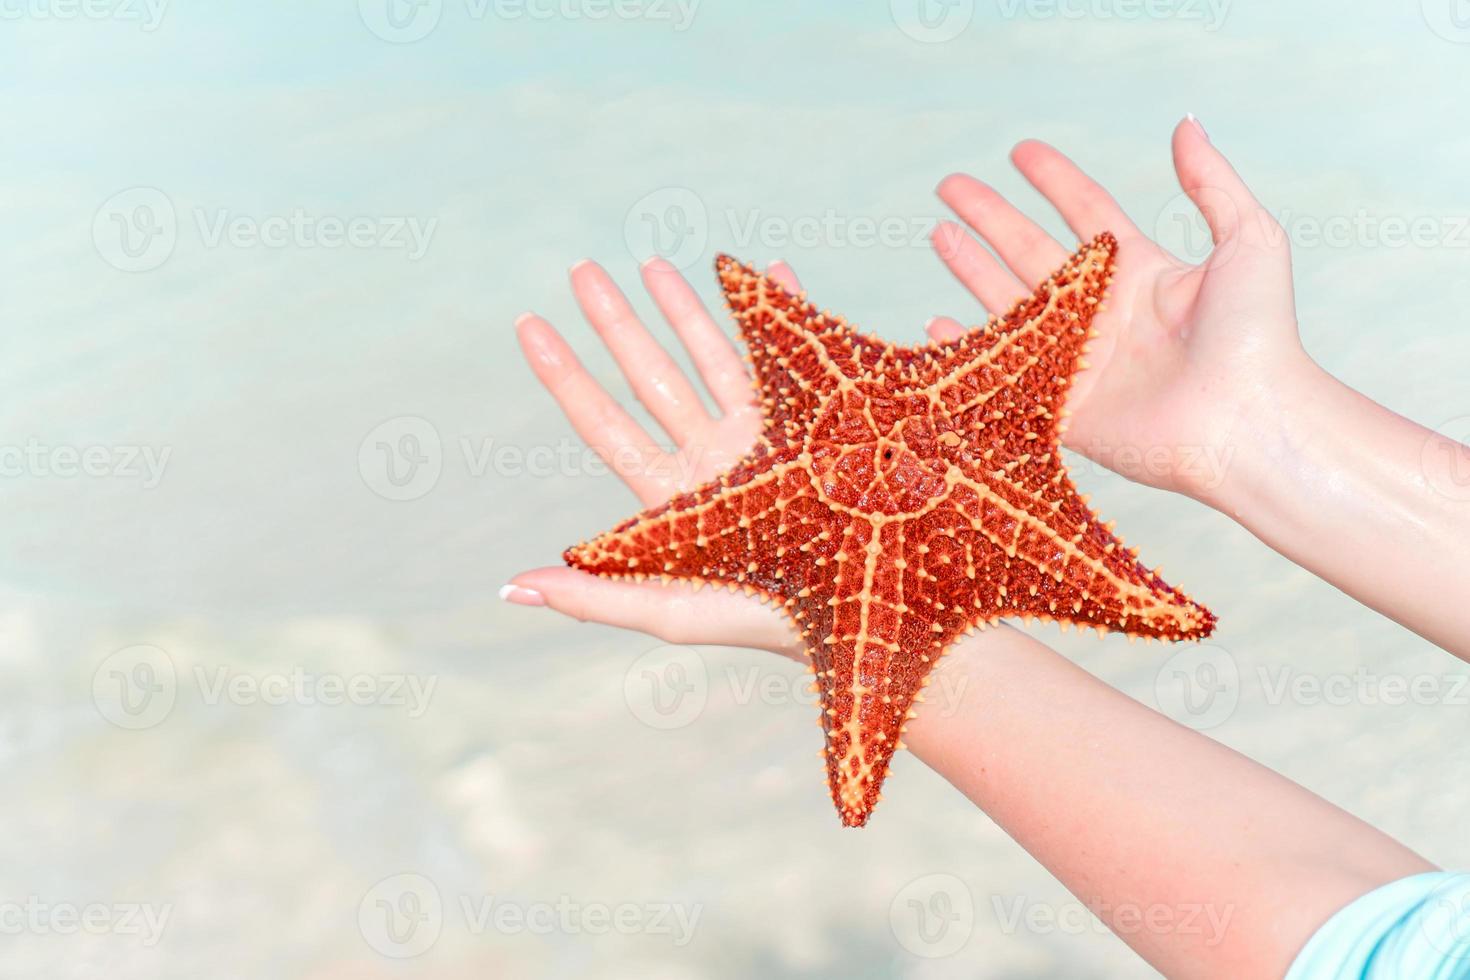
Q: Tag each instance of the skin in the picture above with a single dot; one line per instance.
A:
(1190, 362)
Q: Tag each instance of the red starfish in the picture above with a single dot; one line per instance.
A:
(899, 497)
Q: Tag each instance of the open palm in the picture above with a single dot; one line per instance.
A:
(1178, 345)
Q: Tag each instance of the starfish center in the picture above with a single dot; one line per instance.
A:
(879, 454)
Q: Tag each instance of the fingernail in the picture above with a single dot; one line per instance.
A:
(522, 596)
(773, 263)
(654, 262)
(577, 265)
(1194, 121)
(525, 318)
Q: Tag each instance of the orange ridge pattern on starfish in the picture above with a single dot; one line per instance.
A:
(898, 498)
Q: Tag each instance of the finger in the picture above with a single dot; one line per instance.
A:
(655, 378)
(1229, 207)
(1082, 203)
(977, 270)
(944, 330)
(1031, 253)
(715, 358)
(600, 421)
(782, 274)
(675, 613)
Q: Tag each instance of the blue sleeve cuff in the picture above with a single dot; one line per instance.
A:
(1417, 928)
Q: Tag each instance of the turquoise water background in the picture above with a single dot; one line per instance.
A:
(264, 429)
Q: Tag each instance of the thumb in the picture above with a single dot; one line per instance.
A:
(1229, 207)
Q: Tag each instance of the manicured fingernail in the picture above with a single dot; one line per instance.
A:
(525, 318)
(1194, 121)
(522, 596)
(577, 265)
(654, 262)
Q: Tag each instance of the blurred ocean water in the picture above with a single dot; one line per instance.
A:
(267, 450)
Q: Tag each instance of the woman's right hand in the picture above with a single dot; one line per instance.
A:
(705, 444)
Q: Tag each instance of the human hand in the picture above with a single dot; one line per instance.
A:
(705, 445)
(1183, 354)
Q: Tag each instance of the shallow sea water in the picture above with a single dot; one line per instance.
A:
(263, 699)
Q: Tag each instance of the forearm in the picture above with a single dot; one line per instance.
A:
(1206, 863)
(1364, 498)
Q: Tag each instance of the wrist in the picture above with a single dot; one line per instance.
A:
(1264, 425)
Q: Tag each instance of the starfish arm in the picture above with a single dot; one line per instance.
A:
(759, 527)
(1017, 370)
(799, 353)
(1040, 551)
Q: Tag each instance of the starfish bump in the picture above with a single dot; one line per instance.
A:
(900, 497)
